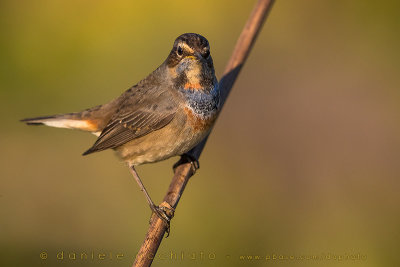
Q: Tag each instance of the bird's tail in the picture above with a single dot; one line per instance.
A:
(92, 119)
(69, 120)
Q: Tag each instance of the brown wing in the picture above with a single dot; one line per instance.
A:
(136, 118)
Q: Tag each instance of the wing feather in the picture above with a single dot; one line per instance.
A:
(133, 121)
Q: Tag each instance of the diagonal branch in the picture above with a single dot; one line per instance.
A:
(184, 171)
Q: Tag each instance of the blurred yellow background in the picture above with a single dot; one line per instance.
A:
(303, 161)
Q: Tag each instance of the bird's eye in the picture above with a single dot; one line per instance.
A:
(179, 51)
(206, 54)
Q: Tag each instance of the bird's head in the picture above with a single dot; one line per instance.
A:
(190, 62)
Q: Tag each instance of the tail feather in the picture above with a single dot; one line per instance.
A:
(69, 121)
(92, 119)
(39, 120)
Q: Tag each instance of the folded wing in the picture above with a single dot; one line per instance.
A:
(135, 119)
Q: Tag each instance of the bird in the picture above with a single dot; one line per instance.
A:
(166, 114)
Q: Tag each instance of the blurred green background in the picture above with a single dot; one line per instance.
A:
(304, 159)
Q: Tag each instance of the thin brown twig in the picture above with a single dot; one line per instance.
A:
(183, 172)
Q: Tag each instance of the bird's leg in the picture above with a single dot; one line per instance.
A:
(188, 158)
(159, 211)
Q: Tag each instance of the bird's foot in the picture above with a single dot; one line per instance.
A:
(187, 158)
(165, 212)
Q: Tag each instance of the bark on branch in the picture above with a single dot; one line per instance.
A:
(183, 172)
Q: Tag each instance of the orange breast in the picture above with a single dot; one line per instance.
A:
(199, 123)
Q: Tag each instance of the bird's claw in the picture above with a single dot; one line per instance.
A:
(165, 212)
(187, 158)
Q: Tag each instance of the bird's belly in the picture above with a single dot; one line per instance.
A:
(176, 138)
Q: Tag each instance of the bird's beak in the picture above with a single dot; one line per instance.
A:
(192, 57)
(196, 56)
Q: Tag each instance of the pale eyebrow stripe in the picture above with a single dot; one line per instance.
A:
(187, 47)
